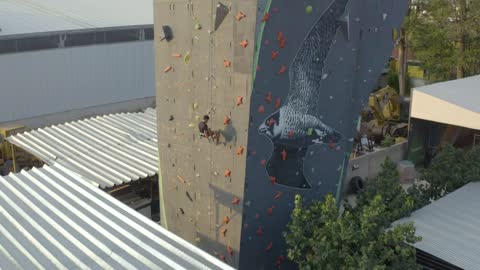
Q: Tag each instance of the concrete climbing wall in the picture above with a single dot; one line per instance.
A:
(317, 63)
(289, 78)
(204, 69)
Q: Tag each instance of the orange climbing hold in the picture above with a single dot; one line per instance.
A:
(270, 210)
(331, 145)
(277, 103)
(269, 246)
(284, 155)
(282, 42)
(244, 43)
(240, 150)
(227, 173)
(268, 97)
(278, 195)
(282, 70)
(266, 17)
(273, 180)
(167, 69)
(260, 231)
(226, 220)
(240, 16)
(227, 63)
(226, 120)
(275, 54)
(279, 36)
(235, 200)
(261, 109)
(224, 232)
(239, 100)
(177, 55)
(230, 250)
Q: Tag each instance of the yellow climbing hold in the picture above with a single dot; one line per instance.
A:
(197, 117)
(186, 58)
(191, 125)
(195, 106)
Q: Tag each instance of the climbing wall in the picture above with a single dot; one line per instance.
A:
(204, 58)
(285, 82)
(316, 63)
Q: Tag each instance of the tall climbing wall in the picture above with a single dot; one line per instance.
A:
(317, 63)
(204, 58)
(285, 81)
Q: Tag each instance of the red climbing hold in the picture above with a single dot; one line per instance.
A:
(284, 155)
(282, 42)
(269, 246)
(227, 63)
(240, 150)
(227, 173)
(331, 145)
(244, 43)
(261, 109)
(226, 220)
(270, 210)
(235, 200)
(291, 134)
(278, 195)
(224, 232)
(278, 102)
(226, 120)
(240, 16)
(273, 180)
(279, 260)
(263, 162)
(271, 122)
(239, 100)
(268, 97)
(254, 153)
(230, 250)
(275, 10)
(222, 257)
(259, 231)
(282, 70)
(279, 36)
(275, 54)
(266, 17)
(259, 68)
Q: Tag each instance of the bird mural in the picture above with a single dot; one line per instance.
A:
(298, 124)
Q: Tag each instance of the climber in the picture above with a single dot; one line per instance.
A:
(207, 132)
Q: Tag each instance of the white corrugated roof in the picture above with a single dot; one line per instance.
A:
(108, 150)
(450, 227)
(35, 16)
(52, 219)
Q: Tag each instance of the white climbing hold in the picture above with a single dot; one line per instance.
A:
(385, 15)
(331, 97)
(324, 76)
(191, 125)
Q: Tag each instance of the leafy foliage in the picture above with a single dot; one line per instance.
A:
(388, 141)
(445, 36)
(320, 237)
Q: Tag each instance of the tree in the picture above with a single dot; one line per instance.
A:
(361, 237)
(445, 36)
(472, 165)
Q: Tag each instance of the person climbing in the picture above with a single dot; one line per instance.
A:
(206, 131)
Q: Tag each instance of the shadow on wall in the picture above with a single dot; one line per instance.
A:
(217, 249)
(229, 133)
(226, 198)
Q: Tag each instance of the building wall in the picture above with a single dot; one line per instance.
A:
(46, 82)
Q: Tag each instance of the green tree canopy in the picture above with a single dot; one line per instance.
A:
(445, 36)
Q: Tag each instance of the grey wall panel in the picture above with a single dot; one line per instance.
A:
(51, 81)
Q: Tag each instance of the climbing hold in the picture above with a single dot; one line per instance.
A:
(226, 120)
(279, 260)
(195, 106)
(259, 231)
(282, 43)
(291, 134)
(186, 58)
(268, 97)
(282, 70)
(198, 26)
(273, 180)
(230, 250)
(266, 42)
(309, 131)
(240, 150)
(284, 155)
(266, 17)
(227, 63)
(239, 100)
(235, 200)
(278, 103)
(177, 55)
(275, 10)
(280, 36)
(191, 125)
(270, 210)
(244, 43)
(197, 117)
(253, 153)
(222, 257)
(188, 195)
(259, 68)
(248, 203)
(275, 54)
(278, 195)
(309, 10)
(167, 69)
(269, 246)
(263, 162)
(240, 16)
(224, 232)
(227, 173)
(261, 109)
(245, 226)
(257, 216)
(226, 220)
(181, 211)
(171, 118)
(331, 145)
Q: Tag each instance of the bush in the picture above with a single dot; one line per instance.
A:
(388, 141)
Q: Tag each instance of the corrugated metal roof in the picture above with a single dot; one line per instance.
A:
(450, 227)
(109, 150)
(35, 16)
(52, 219)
